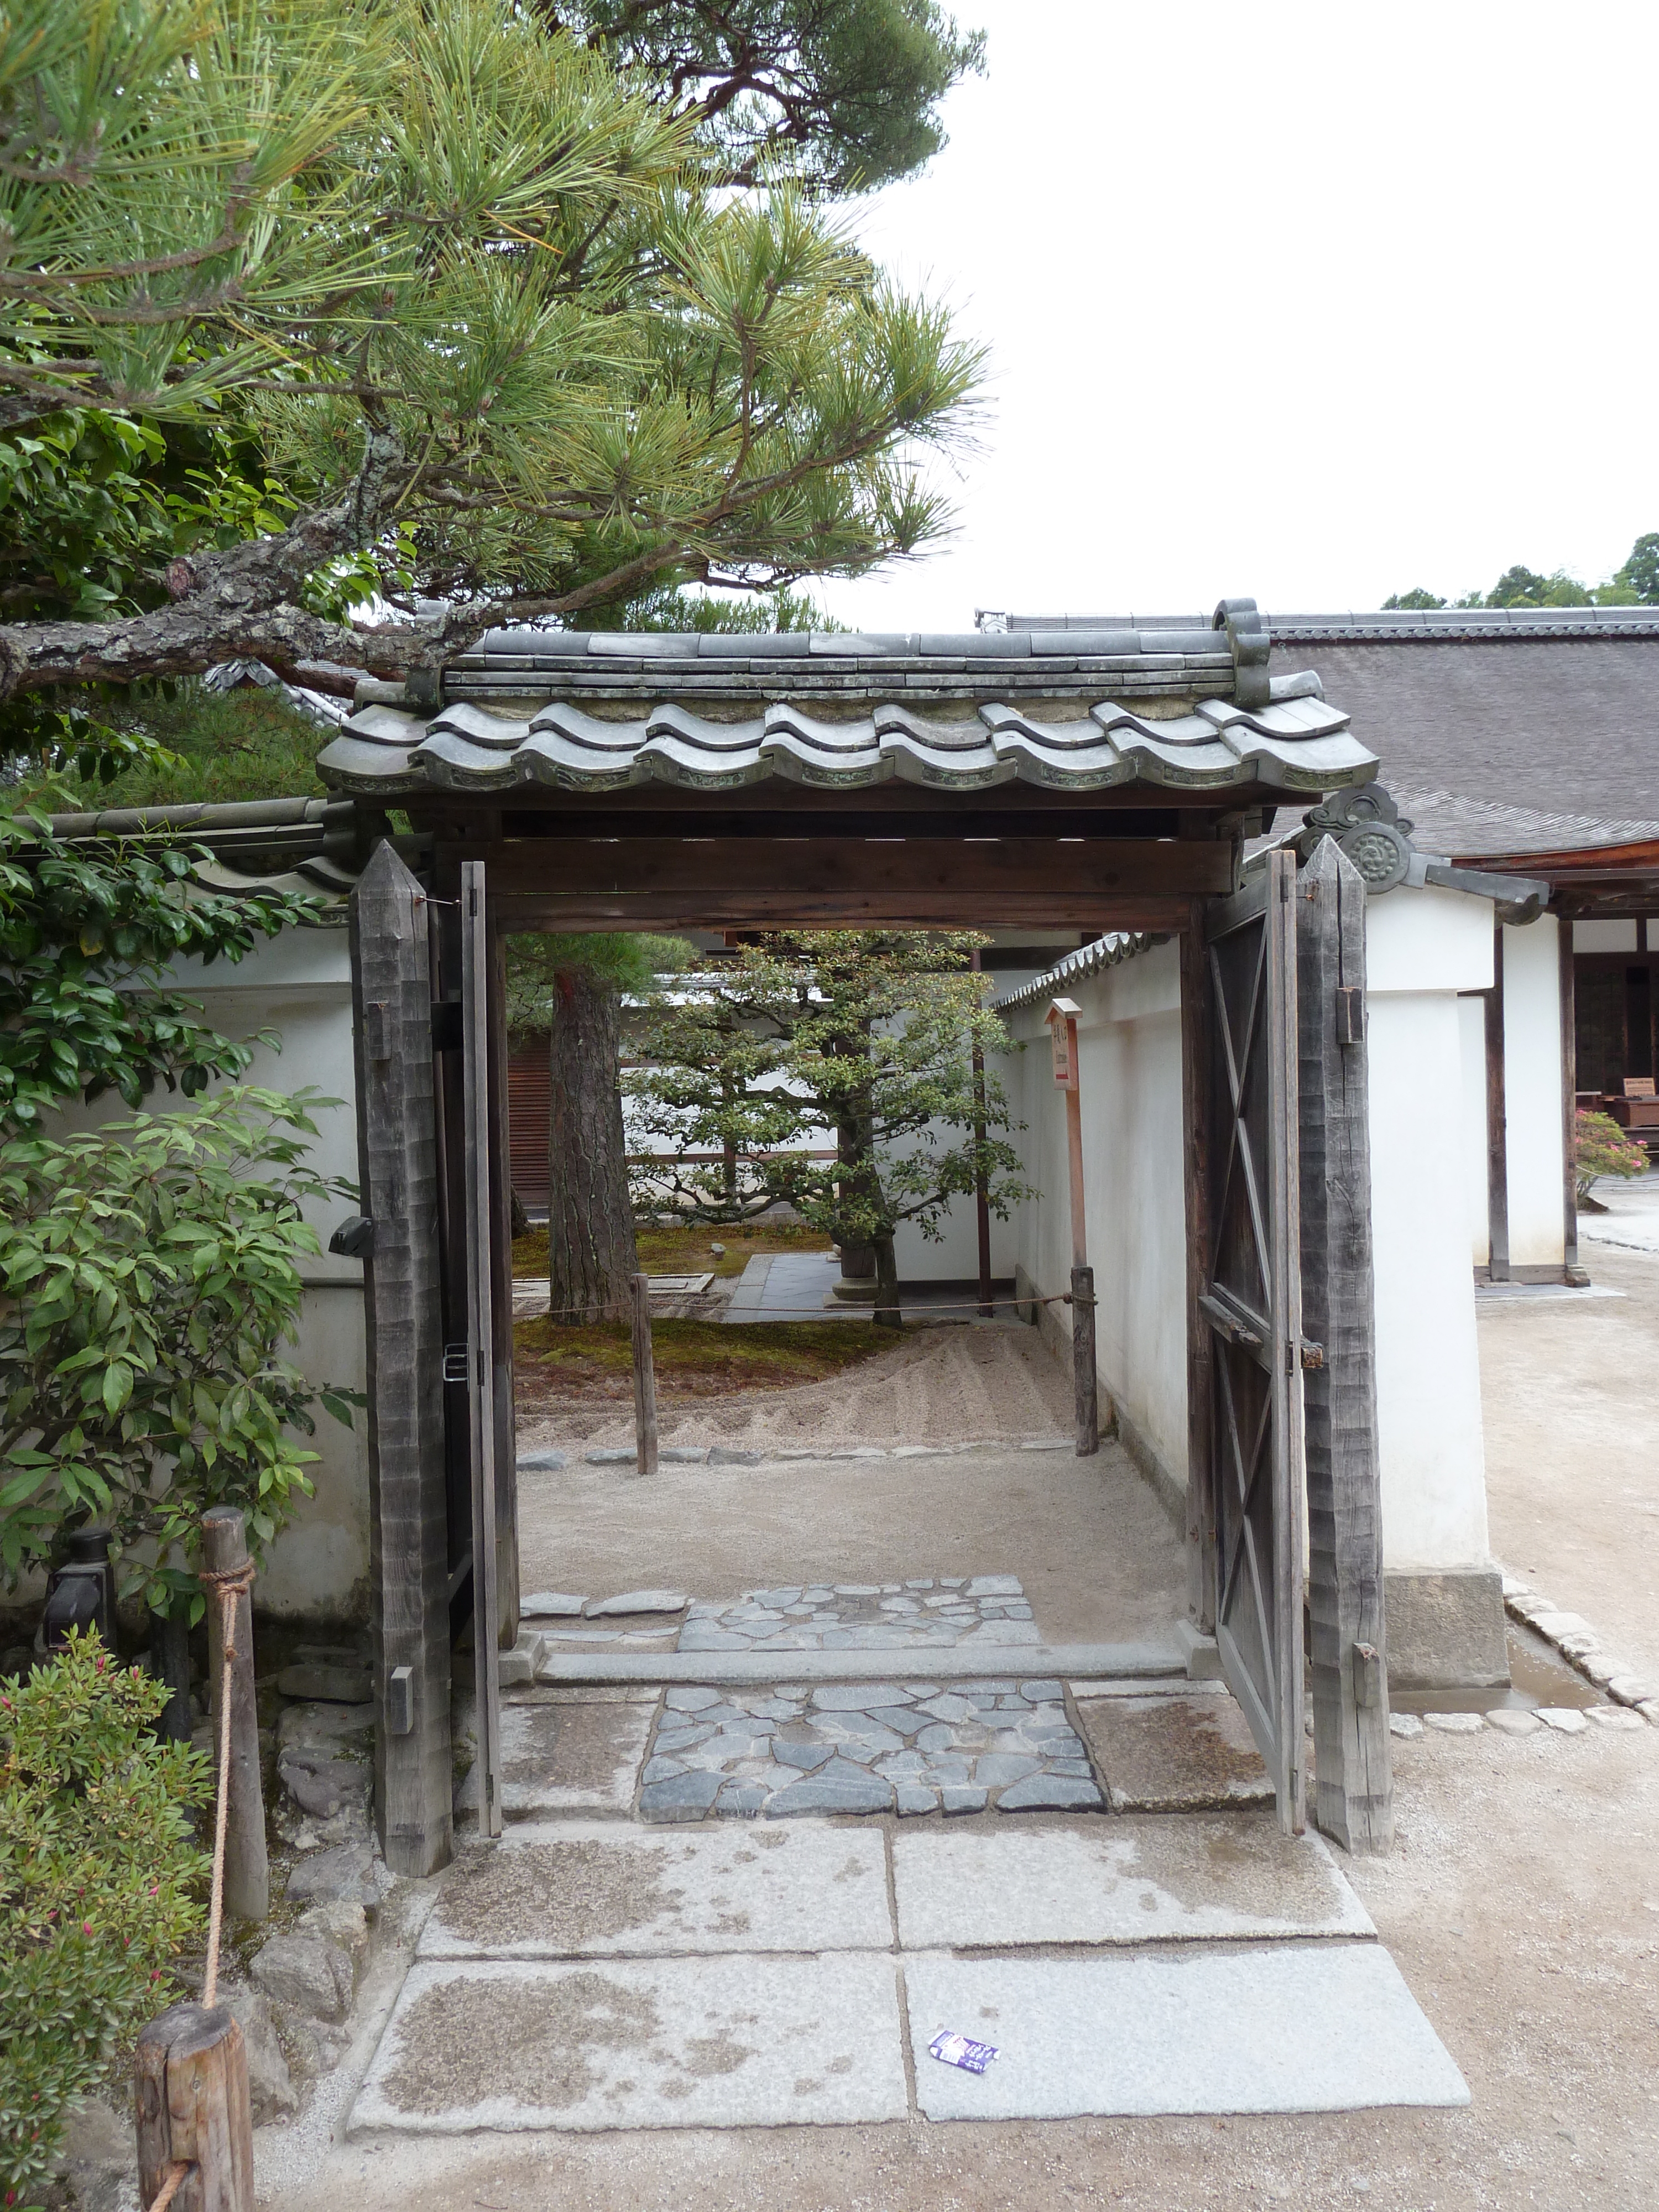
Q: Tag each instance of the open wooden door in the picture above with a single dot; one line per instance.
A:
(476, 965)
(1251, 1303)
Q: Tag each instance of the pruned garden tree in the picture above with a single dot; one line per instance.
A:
(831, 1070)
(571, 987)
(490, 308)
(842, 94)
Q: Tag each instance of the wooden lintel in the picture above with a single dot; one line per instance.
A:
(733, 907)
(966, 871)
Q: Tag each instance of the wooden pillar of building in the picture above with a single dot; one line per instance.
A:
(1353, 1797)
(1196, 1016)
(1572, 1267)
(409, 1520)
(1497, 1143)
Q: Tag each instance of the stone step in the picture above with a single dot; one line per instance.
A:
(929, 1663)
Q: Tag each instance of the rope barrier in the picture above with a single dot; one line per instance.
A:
(965, 1305)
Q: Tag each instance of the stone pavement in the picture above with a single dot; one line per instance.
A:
(587, 1974)
(913, 1747)
(947, 1609)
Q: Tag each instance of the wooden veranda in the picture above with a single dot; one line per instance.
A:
(1102, 782)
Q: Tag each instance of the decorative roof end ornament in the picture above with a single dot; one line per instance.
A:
(1246, 635)
(1370, 831)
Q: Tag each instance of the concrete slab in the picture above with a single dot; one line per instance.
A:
(663, 2043)
(1118, 1881)
(590, 1888)
(1174, 1754)
(942, 1664)
(579, 1757)
(1293, 2028)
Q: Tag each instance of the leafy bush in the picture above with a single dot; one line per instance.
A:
(150, 1275)
(87, 935)
(1600, 1147)
(98, 1871)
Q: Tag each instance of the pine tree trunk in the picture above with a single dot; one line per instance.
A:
(590, 1222)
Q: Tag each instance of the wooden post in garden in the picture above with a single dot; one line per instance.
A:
(1061, 1018)
(194, 2110)
(248, 1868)
(644, 1379)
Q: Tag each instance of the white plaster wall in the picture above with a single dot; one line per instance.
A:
(1532, 1092)
(1428, 1375)
(1130, 1068)
(1471, 1123)
(1424, 947)
(299, 986)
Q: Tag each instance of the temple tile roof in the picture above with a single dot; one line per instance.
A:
(1294, 743)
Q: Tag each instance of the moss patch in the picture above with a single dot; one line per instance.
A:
(557, 1366)
(685, 1251)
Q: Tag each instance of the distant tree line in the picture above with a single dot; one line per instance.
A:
(1635, 584)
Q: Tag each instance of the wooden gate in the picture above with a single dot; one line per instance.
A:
(1250, 1300)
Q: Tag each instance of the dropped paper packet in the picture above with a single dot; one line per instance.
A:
(961, 2051)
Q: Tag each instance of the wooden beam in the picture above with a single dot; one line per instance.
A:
(627, 869)
(1196, 1017)
(398, 1169)
(735, 906)
(1497, 1153)
(1353, 1798)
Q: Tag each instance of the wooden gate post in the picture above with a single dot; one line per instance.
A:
(392, 1000)
(1353, 1797)
(1197, 1013)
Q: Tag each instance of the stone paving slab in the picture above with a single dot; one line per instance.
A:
(582, 1889)
(729, 2042)
(1146, 1880)
(909, 1747)
(585, 1757)
(1167, 1754)
(1294, 2028)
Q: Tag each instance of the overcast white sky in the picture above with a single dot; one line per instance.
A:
(1312, 303)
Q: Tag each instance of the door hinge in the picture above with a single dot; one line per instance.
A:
(1350, 1014)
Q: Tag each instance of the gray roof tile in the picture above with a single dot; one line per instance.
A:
(1300, 746)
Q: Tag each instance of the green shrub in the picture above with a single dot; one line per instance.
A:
(1600, 1147)
(98, 1879)
(150, 1276)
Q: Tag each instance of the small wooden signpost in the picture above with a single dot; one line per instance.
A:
(645, 1380)
(1061, 1018)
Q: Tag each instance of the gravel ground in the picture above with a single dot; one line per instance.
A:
(1522, 1905)
(985, 1380)
(1572, 1449)
(1522, 1902)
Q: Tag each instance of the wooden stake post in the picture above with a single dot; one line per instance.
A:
(645, 1378)
(194, 2110)
(1061, 1018)
(247, 1867)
